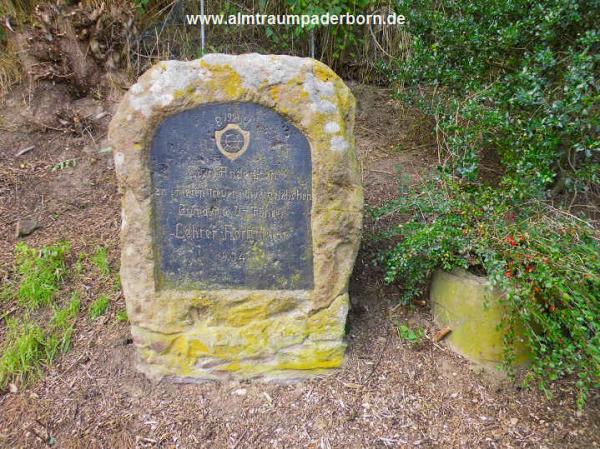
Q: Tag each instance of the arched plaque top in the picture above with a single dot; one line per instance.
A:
(232, 186)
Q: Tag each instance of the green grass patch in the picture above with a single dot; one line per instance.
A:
(99, 307)
(28, 347)
(23, 352)
(31, 345)
(122, 316)
(100, 260)
(40, 272)
(117, 283)
(63, 323)
(79, 265)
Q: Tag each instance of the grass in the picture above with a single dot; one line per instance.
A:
(78, 266)
(117, 283)
(23, 352)
(28, 348)
(44, 329)
(40, 272)
(99, 307)
(10, 69)
(100, 260)
(18, 8)
(122, 316)
(63, 323)
(30, 345)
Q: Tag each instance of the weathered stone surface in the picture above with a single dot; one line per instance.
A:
(261, 318)
(472, 310)
(25, 227)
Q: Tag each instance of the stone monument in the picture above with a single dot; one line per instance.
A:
(241, 216)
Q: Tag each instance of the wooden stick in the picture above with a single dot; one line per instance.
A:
(25, 150)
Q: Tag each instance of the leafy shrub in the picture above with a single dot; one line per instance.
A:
(410, 335)
(515, 81)
(544, 260)
(513, 78)
(349, 49)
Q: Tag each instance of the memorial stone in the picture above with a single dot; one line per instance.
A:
(241, 216)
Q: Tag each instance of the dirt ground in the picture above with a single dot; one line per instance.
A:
(390, 393)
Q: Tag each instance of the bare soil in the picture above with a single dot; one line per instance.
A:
(390, 393)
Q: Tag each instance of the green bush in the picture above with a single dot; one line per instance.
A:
(544, 259)
(513, 78)
(352, 50)
(515, 82)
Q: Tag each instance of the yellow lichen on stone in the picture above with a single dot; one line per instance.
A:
(295, 88)
(346, 101)
(224, 79)
(275, 92)
(312, 358)
(326, 323)
(324, 73)
(253, 309)
(188, 92)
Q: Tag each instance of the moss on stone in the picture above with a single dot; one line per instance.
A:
(473, 310)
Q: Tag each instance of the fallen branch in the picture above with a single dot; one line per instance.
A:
(25, 150)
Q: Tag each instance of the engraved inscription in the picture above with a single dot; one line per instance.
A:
(232, 197)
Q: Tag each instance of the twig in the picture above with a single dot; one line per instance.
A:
(237, 443)
(25, 150)
(378, 361)
(7, 24)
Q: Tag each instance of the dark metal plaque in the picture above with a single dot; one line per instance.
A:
(232, 200)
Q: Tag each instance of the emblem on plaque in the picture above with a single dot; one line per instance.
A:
(232, 141)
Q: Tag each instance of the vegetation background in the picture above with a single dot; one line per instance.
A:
(511, 86)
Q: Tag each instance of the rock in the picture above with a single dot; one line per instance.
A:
(469, 306)
(203, 309)
(25, 227)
